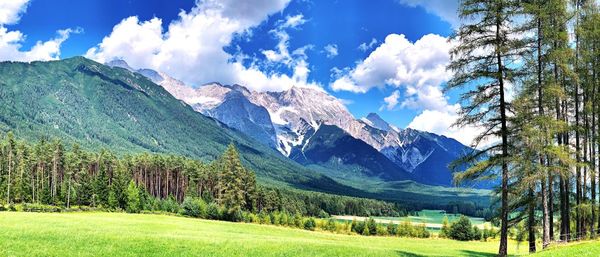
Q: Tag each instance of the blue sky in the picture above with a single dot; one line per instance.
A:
(262, 44)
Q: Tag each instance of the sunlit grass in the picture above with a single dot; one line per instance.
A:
(119, 234)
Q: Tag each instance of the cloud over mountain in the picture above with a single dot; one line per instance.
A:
(191, 49)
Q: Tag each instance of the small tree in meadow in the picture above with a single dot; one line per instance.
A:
(133, 198)
(461, 229)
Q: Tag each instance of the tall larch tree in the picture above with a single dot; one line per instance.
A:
(482, 63)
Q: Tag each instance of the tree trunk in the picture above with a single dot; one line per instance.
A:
(531, 220)
(503, 248)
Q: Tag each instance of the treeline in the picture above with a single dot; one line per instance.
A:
(49, 173)
(531, 74)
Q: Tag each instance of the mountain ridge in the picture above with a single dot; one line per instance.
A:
(297, 111)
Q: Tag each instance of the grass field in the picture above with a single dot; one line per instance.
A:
(431, 218)
(589, 248)
(119, 234)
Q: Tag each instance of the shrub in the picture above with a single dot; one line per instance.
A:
(330, 225)
(461, 229)
(475, 233)
(358, 227)
(366, 231)
(298, 220)
(264, 218)
(392, 229)
(421, 231)
(405, 229)
(35, 207)
(213, 212)
(194, 207)
(323, 214)
(372, 226)
(310, 224)
(169, 205)
(381, 231)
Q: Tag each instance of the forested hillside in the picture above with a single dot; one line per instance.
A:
(51, 173)
(81, 101)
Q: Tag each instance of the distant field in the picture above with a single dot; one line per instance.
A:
(431, 218)
(119, 234)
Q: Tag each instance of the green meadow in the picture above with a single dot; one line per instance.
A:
(120, 234)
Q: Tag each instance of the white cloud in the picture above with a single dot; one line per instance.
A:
(191, 49)
(420, 67)
(391, 101)
(292, 21)
(331, 50)
(10, 41)
(365, 47)
(416, 71)
(441, 122)
(447, 10)
(11, 10)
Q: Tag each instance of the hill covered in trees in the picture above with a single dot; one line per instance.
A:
(81, 101)
(50, 173)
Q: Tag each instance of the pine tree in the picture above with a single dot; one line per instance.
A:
(230, 181)
(487, 44)
(10, 162)
(133, 198)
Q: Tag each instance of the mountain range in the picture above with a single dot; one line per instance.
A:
(312, 127)
(84, 102)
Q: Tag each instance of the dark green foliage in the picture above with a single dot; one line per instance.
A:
(463, 230)
(310, 224)
(194, 207)
(372, 226)
(365, 231)
(231, 193)
(213, 211)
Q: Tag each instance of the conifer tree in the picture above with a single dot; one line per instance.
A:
(487, 44)
(230, 181)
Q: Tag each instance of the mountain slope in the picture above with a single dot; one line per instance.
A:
(81, 101)
(227, 104)
(296, 113)
(331, 147)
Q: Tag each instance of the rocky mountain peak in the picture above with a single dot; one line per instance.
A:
(376, 121)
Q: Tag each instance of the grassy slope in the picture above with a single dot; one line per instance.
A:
(582, 249)
(118, 234)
